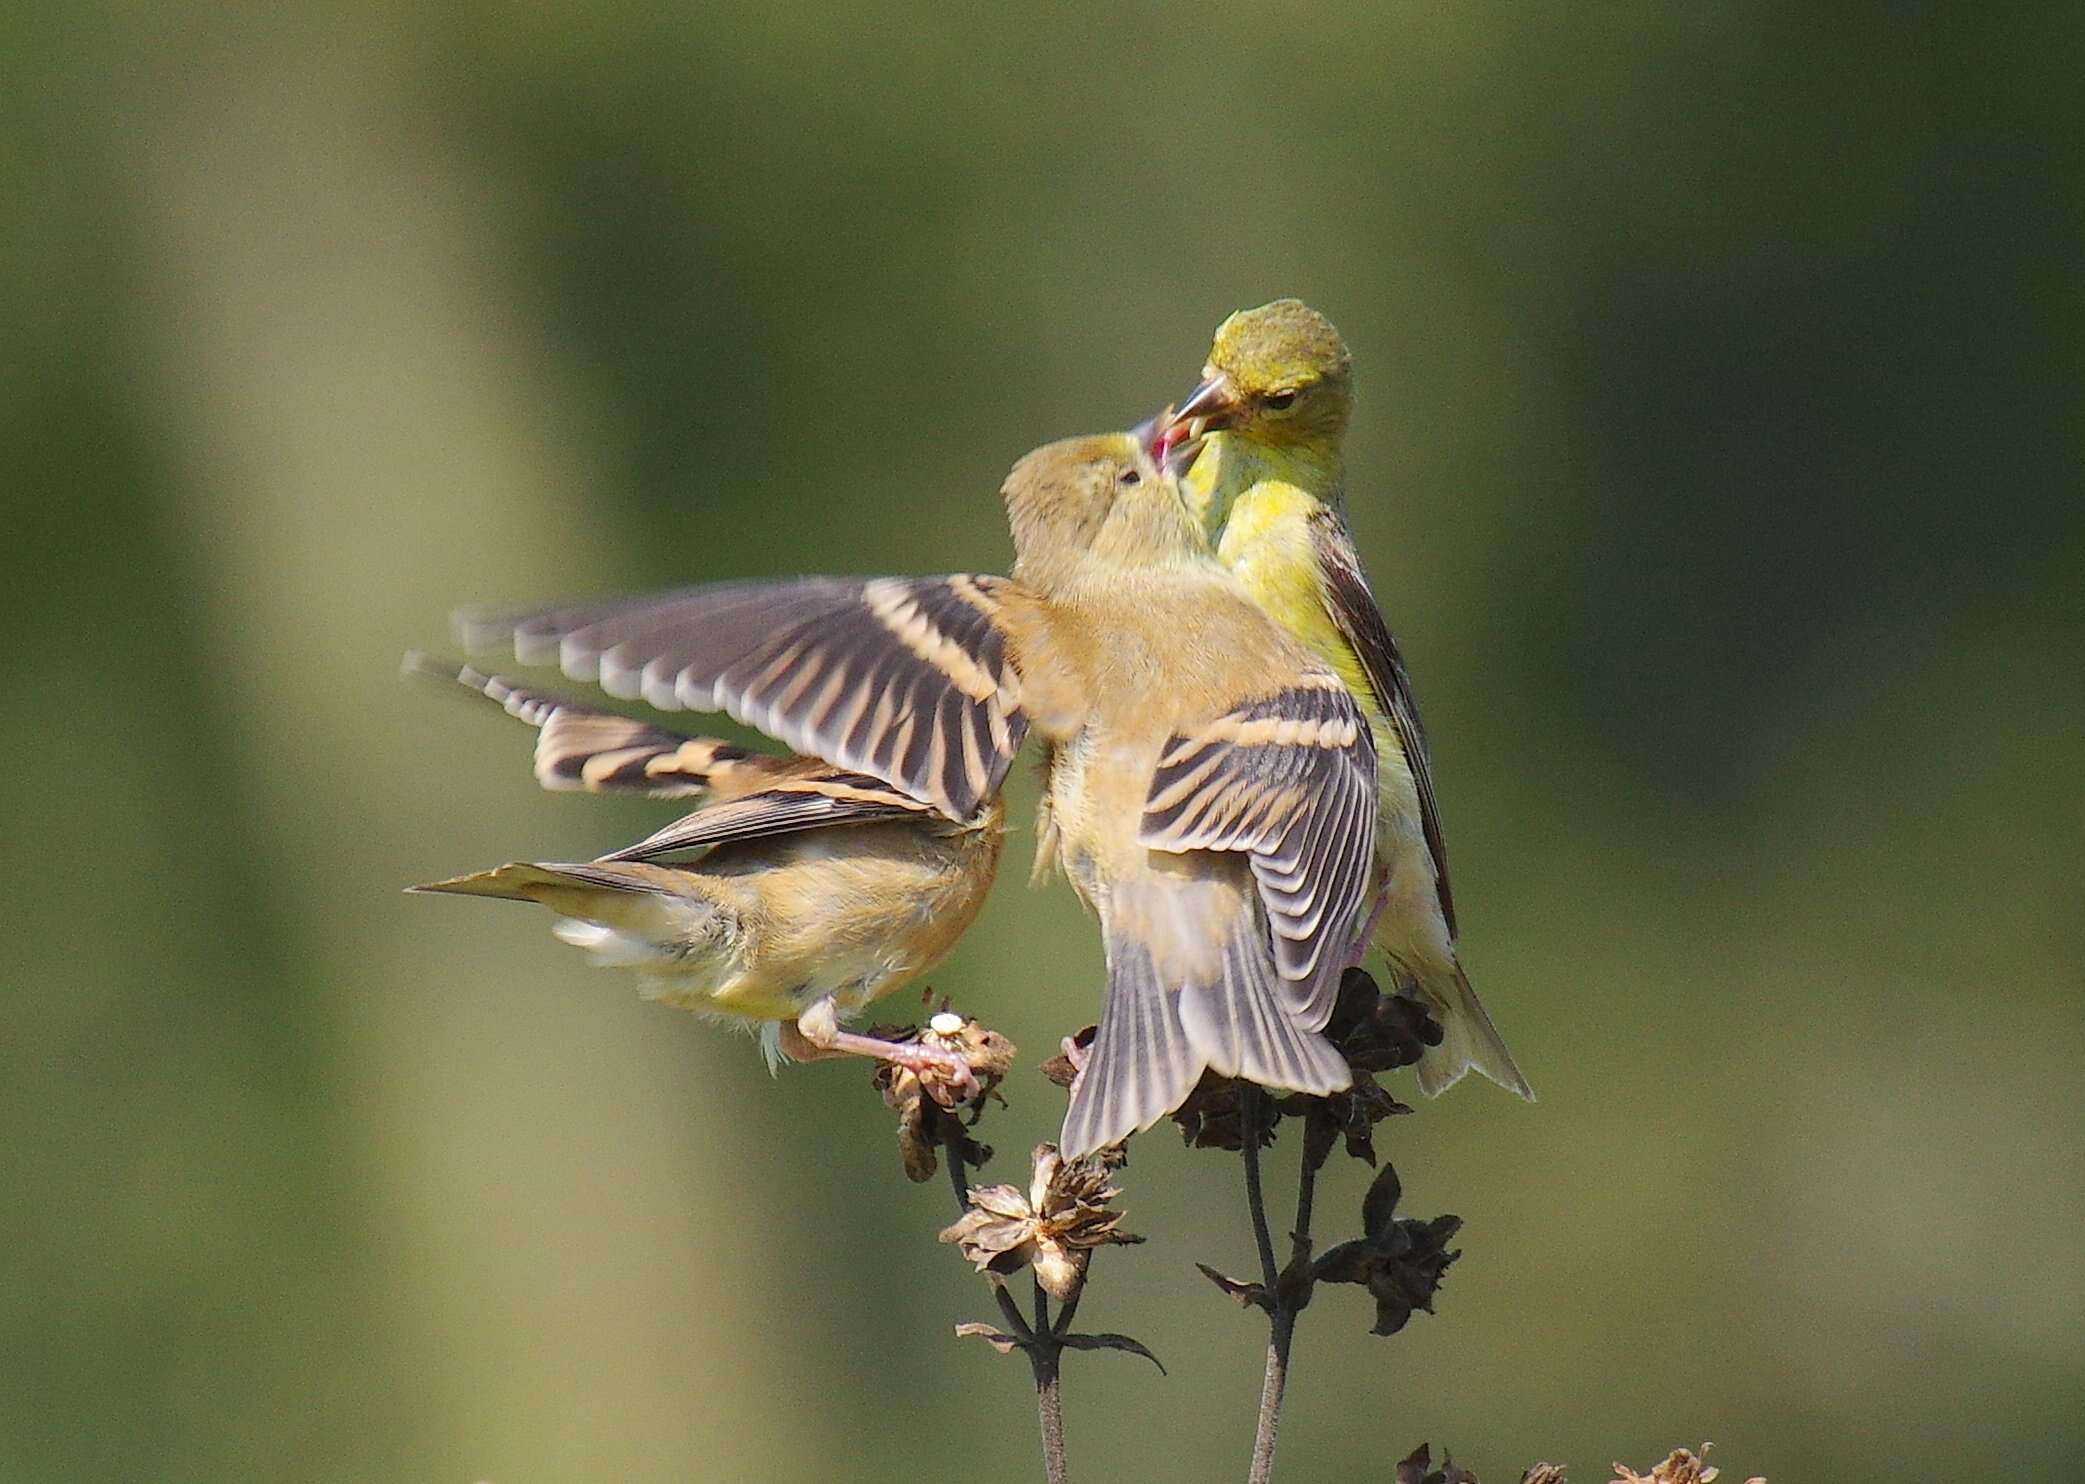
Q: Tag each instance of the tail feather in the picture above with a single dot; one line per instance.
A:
(1142, 1065)
(1156, 1039)
(529, 881)
(1469, 1041)
(1240, 1025)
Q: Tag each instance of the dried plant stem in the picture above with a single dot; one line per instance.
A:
(1041, 1341)
(1284, 1301)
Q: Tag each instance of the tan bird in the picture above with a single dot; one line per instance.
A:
(819, 890)
(1212, 783)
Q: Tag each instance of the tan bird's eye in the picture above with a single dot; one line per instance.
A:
(1281, 401)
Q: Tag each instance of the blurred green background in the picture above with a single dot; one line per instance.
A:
(1718, 464)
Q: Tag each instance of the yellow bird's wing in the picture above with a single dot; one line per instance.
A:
(1290, 780)
(1352, 608)
(905, 679)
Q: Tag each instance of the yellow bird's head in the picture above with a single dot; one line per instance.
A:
(1094, 501)
(1273, 404)
(1278, 375)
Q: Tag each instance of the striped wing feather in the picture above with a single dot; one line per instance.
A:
(819, 798)
(1351, 606)
(906, 680)
(1290, 779)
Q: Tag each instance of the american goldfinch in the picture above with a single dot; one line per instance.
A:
(1212, 783)
(820, 889)
(1268, 420)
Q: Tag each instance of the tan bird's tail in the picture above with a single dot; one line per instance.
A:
(1158, 1035)
(1469, 1041)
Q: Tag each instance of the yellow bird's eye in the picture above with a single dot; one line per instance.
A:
(1129, 476)
(1281, 401)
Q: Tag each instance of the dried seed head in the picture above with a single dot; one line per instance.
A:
(924, 1100)
(1053, 1226)
(1400, 1263)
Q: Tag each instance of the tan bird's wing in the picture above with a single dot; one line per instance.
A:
(1352, 608)
(816, 800)
(584, 747)
(905, 679)
(1290, 779)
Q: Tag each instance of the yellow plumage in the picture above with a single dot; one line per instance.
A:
(1268, 483)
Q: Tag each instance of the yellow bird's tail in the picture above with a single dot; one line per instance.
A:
(1469, 1041)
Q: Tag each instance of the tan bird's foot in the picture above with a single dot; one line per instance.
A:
(818, 1028)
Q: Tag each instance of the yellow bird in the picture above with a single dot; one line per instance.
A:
(819, 889)
(1268, 419)
(1212, 783)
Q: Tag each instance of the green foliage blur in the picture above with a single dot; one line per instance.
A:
(1718, 465)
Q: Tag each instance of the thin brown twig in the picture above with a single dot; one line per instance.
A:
(1282, 1305)
(1040, 1342)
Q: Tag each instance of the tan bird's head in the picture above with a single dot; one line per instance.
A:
(1278, 376)
(1095, 500)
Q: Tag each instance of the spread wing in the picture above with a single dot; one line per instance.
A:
(905, 679)
(1291, 780)
(584, 747)
(819, 798)
(1353, 611)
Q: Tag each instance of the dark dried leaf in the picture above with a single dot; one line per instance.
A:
(1417, 1469)
(1211, 1118)
(1248, 1295)
(1413, 1469)
(999, 1340)
(1351, 1114)
(1110, 1342)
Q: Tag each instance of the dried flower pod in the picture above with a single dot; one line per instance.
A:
(1400, 1263)
(1051, 1227)
(1680, 1467)
(924, 1100)
(1417, 1469)
(1064, 1068)
(1376, 1032)
(1211, 1117)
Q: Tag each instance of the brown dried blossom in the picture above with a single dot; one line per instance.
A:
(1064, 1068)
(1399, 1262)
(1211, 1117)
(926, 1100)
(1418, 1469)
(1375, 1032)
(1052, 1227)
(1681, 1467)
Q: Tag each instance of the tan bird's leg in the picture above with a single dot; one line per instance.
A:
(818, 1032)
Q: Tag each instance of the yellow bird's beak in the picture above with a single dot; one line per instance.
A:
(1209, 408)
